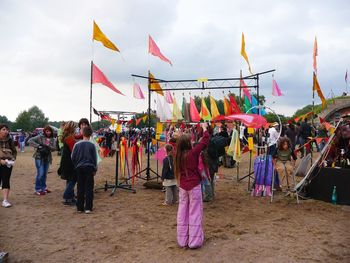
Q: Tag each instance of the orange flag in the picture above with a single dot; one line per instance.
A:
(155, 85)
(227, 107)
(205, 113)
(99, 36)
(317, 87)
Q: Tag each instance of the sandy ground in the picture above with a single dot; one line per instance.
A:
(131, 227)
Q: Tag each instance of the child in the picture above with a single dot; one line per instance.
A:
(169, 181)
(84, 159)
(283, 158)
(190, 211)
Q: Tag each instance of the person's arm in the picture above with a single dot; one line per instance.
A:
(203, 143)
(52, 145)
(35, 141)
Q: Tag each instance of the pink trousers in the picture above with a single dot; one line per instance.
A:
(189, 218)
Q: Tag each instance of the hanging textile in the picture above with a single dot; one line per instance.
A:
(124, 158)
(234, 106)
(214, 108)
(227, 107)
(205, 113)
(247, 105)
(177, 115)
(195, 117)
(234, 148)
(185, 110)
(169, 97)
(167, 111)
(160, 110)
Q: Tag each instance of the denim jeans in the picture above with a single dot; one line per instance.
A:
(40, 181)
(69, 191)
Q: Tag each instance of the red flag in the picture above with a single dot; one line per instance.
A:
(155, 51)
(246, 90)
(99, 77)
(321, 120)
(234, 105)
(105, 117)
(195, 117)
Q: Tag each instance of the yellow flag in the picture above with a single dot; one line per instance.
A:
(214, 108)
(205, 113)
(144, 118)
(112, 122)
(317, 87)
(244, 54)
(99, 36)
(177, 115)
(155, 85)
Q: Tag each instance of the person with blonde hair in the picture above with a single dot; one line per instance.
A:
(190, 211)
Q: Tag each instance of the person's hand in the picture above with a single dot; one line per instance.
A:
(204, 126)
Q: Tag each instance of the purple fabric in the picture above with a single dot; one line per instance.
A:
(189, 218)
(263, 171)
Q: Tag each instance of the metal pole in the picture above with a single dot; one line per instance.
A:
(91, 90)
(149, 127)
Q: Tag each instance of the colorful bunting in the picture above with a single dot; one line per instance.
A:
(137, 92)
(155, 51)
(244, 54)
(99, 36)
(99, 77)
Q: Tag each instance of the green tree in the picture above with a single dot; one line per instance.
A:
(4, 120)
(23, 122)
(37, 117)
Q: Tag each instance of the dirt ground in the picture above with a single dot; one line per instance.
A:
(131, 227)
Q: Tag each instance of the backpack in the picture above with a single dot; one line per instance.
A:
(216, 147)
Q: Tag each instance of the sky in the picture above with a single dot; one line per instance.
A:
(46, 49)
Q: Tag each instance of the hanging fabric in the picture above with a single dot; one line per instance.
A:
(214, 108)
(167, 111)
(177, 115)
(195, 117)
(185, 110)
(205, 113)
(168, 97)
(234, 106)
(234, 149)
(227, 107)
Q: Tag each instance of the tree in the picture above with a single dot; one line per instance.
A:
(37, 117)
(4, 120)
(31, 119)
(23, 122)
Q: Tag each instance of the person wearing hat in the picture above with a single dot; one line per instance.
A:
(273, 137)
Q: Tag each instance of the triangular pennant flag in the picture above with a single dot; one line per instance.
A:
(194, 112)
(137, 122)
(245, 90)
(177, 115)
(227, 107)
(214, 108)
(275, 89)
(99, 36)
(169, 97)
(137, 92)
(144, 118)
(160, 110)
(99, 77)
(317, 87)
(205, 113)
(155, 51)
(234, 106)
(244, 54)
(185, 110)
(315, 54)
(155, 85)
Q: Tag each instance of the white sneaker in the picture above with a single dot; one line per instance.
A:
(6, 204)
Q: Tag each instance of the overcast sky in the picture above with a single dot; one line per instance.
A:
(46, 49)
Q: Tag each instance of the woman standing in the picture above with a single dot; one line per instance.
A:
(67, 171)
(190, 211)
(8, 155)
(44, 145)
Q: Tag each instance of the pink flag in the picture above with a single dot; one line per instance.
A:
(246, 90)
(195, 117)
(99, 77)
(275, 89)
(137, 92)
(169, 97)
(155, 51)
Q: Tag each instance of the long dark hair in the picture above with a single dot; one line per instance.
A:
(281, 141)
(183, 146)
(48, 128)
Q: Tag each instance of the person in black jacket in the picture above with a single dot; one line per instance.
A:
(169, 181)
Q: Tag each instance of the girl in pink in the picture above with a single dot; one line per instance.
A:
(190, 211)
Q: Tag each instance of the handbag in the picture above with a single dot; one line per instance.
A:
(6, 154)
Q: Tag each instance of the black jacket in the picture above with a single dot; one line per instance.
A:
(66, 170)
(168, 168)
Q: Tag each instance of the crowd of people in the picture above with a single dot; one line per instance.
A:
(193, 156)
